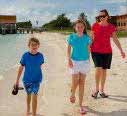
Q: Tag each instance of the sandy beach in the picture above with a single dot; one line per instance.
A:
(55, 89)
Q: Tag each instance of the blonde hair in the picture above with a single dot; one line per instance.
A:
(33, 39)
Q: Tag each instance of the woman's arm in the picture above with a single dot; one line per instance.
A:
(116, 41)
(70, 64)
(92, 35)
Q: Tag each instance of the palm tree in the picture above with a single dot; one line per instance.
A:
(83, 17)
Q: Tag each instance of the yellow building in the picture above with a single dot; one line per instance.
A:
(120, 21)
(7, 24)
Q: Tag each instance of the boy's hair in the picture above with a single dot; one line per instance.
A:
(33, 39)
(80, 21)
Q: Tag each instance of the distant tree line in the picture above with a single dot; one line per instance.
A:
(62, 22)
(59, 23)
(26, 24)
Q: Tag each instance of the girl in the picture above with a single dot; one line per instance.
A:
(78, 60)
(101, 50)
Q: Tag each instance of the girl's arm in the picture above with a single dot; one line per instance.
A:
(70, 64)
(116, 41)
(19, 74)
(89, 50)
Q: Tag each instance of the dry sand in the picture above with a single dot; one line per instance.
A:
(55, 90)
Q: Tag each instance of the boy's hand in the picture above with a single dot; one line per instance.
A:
(70, 63)
(17, 83)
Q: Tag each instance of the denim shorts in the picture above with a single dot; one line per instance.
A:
(32, 88)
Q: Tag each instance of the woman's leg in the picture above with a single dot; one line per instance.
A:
(98, 75)
(34, 104)
(28, 100)
(81, 88)
(75, 82)
(103, 78)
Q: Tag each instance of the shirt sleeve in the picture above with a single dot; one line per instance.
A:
(69, 40)
(42, 59)
(113, 29)
(22, 61)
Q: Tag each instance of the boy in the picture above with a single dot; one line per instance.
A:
(32, 60)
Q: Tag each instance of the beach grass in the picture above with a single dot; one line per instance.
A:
(69, 31)
(122, 33)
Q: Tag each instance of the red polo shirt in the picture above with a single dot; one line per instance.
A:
(102, 34)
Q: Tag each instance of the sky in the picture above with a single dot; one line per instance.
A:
(44, 11)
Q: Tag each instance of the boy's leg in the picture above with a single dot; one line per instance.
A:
(81, 88)
(28, 100)
(34, 104)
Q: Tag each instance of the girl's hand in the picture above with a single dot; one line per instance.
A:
(70, 63)
(122, 54)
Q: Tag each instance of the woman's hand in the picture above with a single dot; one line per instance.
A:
(123, 54)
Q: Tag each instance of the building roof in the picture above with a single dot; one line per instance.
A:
(7, 18)
(117, 16)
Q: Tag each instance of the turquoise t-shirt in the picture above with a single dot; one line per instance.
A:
(79, 46)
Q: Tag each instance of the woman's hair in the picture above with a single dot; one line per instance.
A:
(106, 13)
(80, 21)
(33, 39)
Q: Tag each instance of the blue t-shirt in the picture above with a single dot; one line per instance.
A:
(32, 64)
(79, 46)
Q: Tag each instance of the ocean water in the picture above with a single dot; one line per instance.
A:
(11, 49)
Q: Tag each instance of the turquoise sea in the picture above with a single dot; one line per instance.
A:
(11, 49)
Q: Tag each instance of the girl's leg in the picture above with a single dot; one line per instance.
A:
(28, 100)
(34, 104)
(75, 82)
(81, 88)
(103, 78)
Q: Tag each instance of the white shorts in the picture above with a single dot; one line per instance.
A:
(80, 67)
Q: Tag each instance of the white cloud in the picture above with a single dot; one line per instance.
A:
(26, 10)
(92, 15)
(123, 9)
(111, 1)
(42, 18)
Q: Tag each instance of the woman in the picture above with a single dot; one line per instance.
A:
(101, 50)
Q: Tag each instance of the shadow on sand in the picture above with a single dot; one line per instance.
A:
(121, 112)
(117, 98)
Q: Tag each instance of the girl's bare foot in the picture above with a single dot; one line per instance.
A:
(28, 113)
(72, 99)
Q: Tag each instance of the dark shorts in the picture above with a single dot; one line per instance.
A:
(32, 88)
(102, 60)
